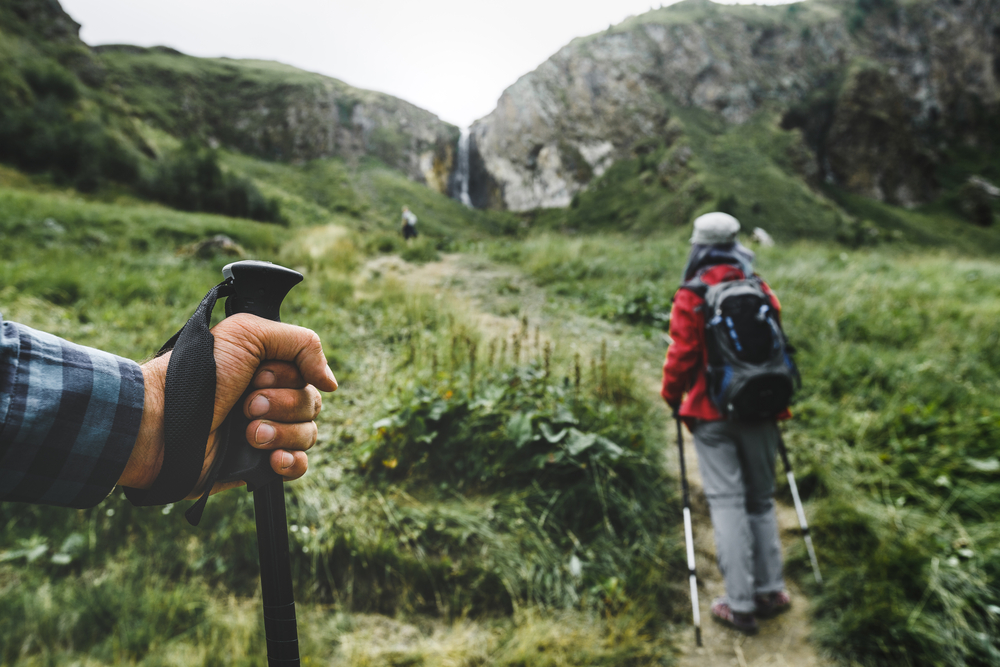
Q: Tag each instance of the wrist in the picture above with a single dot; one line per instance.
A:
(147, 454)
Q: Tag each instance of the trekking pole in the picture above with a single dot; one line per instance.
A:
(260, 288)
(798, 508)
(689, 537)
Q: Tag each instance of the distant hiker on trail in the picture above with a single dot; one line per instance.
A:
(409, 224)
(730, 411)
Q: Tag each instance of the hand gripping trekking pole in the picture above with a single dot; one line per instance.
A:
(260, 288)
(689, 537)
(257, 288)
(798, 509)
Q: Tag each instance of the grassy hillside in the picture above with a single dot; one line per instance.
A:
(276, 111)
(369, 535)
(895, 431)
(460, 472)
(490, 485)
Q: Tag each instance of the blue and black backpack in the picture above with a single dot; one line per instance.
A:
(751, 374)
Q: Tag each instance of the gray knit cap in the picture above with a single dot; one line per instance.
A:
(715, 228)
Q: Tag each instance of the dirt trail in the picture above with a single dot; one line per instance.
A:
(498, 296)
(782, 641)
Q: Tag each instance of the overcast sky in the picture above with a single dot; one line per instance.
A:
(452, 57)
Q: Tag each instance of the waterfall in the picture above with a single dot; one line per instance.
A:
(463, 168)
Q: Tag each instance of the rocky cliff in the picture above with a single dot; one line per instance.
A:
(279, 112)
(875, 87)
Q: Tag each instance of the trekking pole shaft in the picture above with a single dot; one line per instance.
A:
(260, 288)
(276, 574)
(689, 538)
(799, 510)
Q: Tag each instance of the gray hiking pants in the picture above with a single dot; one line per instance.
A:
(736, 461)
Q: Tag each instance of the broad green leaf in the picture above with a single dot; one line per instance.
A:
(564, 415)
(438, 409)
(549, 435)
(578, 442)
(519, 428)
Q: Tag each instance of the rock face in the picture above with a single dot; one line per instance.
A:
(873, 92)
(279, 112)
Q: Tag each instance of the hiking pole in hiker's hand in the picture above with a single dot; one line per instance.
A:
(191, 392)
(689, 537)
(260, 288)
(798, 508)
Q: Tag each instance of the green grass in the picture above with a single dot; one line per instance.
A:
(442, 491)
(120, 276)
(894, 434)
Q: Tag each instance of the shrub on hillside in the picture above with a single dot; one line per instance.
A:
(571, 474)
(420, 251)
(44, 128)
(646, 305)
(191, 179)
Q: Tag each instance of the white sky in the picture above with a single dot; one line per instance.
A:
(451, 57)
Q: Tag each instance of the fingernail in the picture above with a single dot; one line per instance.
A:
(329, 374)
(259, 406)
(286, 460)
(266, 379)
(264, 434)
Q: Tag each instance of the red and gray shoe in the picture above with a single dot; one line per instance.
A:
(723, 614)
(771, 604)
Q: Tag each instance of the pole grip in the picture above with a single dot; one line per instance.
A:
(260, 287)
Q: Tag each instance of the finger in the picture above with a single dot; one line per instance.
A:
(286, 342)
(290, 465)
(264, 434)
(278, 374)
(284, 405)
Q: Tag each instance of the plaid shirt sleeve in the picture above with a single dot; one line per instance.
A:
(69, 416)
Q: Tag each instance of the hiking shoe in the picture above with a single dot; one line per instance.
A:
(721, 612)
(771, 604)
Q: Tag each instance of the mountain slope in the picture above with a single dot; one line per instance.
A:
(278, 112)
(84, 116)
(878, 93)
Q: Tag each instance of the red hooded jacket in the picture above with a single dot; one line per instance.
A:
(687, 356)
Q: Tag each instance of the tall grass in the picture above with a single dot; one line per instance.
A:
(484, 480)
(894, 435)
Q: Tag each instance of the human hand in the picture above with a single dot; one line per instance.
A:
(284, 367)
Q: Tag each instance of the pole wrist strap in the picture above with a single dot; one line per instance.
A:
(189, 402)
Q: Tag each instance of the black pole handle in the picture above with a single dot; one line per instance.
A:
(260, 287)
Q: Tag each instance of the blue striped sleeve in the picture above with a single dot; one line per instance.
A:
(69, 416)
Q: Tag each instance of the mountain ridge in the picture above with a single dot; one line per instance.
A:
(934, 64)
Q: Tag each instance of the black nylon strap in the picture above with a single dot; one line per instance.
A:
(189, 400)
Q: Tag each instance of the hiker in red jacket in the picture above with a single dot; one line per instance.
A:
(736, 458)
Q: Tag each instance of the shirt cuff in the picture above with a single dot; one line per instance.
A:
(69, 417)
